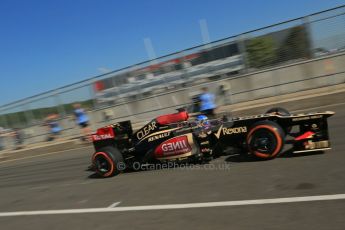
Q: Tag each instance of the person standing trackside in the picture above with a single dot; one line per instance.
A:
(54, 128)
(83, 121)
(207, 103)
(2, 136)
(18, 138)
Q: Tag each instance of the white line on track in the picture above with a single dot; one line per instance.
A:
(177, 206)
(114, 205)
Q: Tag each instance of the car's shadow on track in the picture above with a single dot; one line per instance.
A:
(235, 155)
(238, 158)
(230, 157)
(151, 168)
(290, 154)
(94, 175)
(245, 157)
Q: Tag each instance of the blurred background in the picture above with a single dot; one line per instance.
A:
(291, 56)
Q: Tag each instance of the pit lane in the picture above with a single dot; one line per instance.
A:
(61, 181)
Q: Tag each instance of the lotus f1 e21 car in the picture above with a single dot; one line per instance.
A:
(175, 137)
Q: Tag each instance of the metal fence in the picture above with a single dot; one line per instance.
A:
(124, 93)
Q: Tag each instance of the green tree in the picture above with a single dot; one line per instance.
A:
(261, 51)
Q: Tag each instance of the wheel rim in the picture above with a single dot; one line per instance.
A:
(263, 142)
(103, 164)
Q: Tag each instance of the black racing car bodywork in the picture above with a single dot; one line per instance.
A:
(175, 137)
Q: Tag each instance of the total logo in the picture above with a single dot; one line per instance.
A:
(174, 146)
(96, 137)
(103, 133)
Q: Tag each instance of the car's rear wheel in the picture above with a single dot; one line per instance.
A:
(108, 162)
(265, 139)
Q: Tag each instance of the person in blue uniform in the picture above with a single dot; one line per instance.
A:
(53, 125)
(82, 120)
(207, 103)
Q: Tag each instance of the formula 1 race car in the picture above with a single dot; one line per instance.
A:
(178, 138)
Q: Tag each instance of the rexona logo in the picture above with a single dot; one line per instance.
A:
(236, 130)
(230, 131)
(146, 130)
(174, 146)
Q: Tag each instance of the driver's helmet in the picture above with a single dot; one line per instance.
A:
(202, 119)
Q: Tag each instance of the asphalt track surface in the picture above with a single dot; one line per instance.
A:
(61, 182)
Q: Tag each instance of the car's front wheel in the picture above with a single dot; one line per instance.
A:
(279, 111)
(282, 112)
(265, 139)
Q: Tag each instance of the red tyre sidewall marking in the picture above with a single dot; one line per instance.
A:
(110, 161)
(276, 134)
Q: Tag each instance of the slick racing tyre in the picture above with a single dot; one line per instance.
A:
(265, 139)
(282, 112)
(279, 111)
(108, 162)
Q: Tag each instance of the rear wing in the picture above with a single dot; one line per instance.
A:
(113, 134)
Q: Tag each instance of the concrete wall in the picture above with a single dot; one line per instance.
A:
(272, 82)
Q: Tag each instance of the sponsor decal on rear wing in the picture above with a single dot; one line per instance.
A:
(103, 134)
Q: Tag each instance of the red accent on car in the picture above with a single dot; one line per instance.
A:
(103, 134)
(306, 135)
(172, 118)
(172, 147)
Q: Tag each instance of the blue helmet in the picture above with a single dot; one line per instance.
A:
(201, 118)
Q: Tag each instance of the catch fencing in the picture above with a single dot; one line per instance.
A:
(299, 54)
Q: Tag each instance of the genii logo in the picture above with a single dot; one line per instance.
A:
(174, 146)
